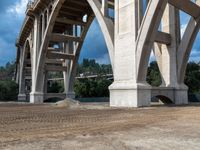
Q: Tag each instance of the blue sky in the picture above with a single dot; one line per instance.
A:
(12, 15)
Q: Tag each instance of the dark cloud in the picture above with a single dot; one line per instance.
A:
(94, 46)
(9, 29)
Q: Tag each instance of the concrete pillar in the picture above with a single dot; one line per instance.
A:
(17, 73)
(126, 91)
(104, 8)
(43, 26)
(140, 11)
(45, 81)
(168, 62)
(169, 25)
(22, 94)
(69, 49)
(35, 96)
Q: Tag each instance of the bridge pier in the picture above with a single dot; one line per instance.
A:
(36, 98)
(181, 95)
(130, 95)
(127, 91)
(22, 91)
(70, 95)
(22, 97)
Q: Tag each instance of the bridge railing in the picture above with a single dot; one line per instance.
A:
(29, 4)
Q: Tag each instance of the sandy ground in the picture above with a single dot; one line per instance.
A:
(45, 127)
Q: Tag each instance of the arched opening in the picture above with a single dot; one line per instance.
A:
(53, 100)
(154, 77)
(68, 34)
(192, 73)
(94, 71)
(55, 83)
(161, 100)
(191, 60)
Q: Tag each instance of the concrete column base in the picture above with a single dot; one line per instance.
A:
(181, 95)
(124, 94)
(36, 98)
(70, 95)
(22, 98)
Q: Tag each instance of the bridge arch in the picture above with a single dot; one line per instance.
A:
(129, 39)
(163, 99)
(62, 27)
(185, 46)
(25, 72)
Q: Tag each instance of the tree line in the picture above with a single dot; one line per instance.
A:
(97, 87)
(8, 87)
(192, 76)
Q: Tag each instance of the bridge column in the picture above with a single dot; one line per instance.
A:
(69, 48)
(22, 94)
(126, 91)
(171, 24)
(45, 81)
(36, 96)
(104, 8)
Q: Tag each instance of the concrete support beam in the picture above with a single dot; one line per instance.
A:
(126, 91)
(36, 97)
(51, 49)
(55, 68)
(104, 8)
(140, 11)
(163, 38)
(22, 95)
(54, 61)
(71, 22)
(147, 35)
(37, 94)
(169, 25)
(187, 6)
(64, 38)
(59, 55)
(185, 47)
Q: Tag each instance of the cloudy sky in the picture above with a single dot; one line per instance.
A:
(12, 15)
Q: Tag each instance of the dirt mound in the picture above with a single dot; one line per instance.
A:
(67, 103)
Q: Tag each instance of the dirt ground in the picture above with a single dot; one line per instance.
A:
(45, 127)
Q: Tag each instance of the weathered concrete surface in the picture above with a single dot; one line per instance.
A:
(37, 127)
(130, 36)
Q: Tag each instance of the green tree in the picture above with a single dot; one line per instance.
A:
(8, 91)
(55, 87)
(102, 88)
(81, 88)
(92, 88)
(8, 88)
(192, 77)
(153, 74)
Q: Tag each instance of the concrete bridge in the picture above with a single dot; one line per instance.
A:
(53, 33)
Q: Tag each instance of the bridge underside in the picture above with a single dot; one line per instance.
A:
(54, 31)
